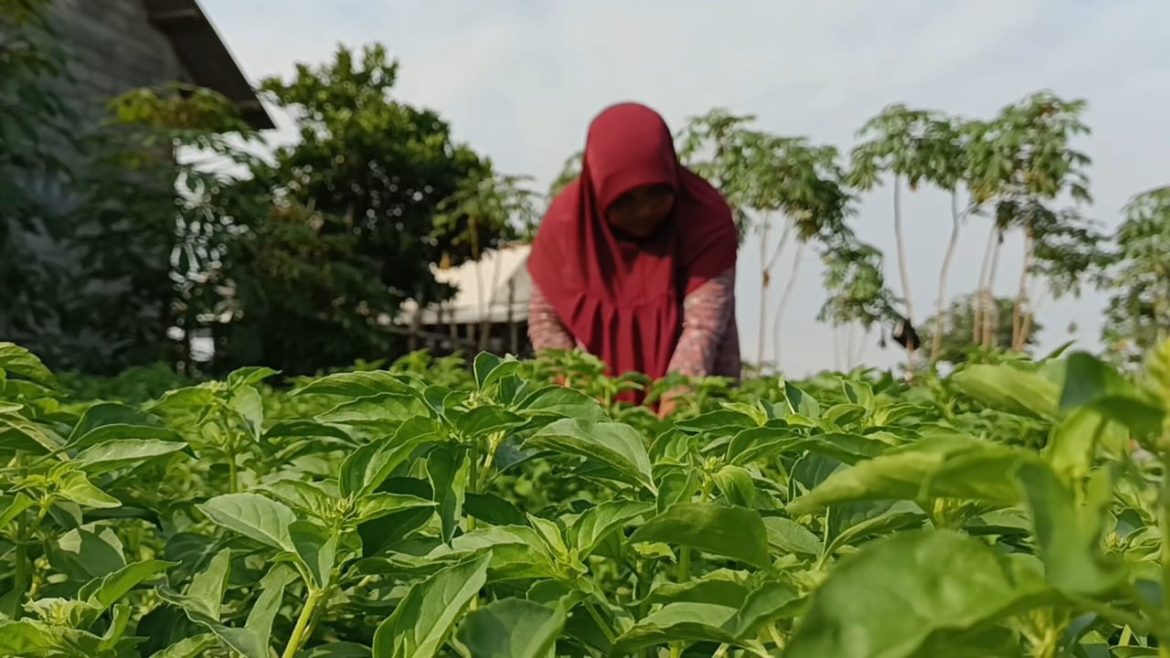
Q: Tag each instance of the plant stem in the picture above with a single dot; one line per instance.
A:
(1164, 522)
(944, 273)
(683, 576)
(22, 569)
(299, 634)
(233, 474)
(600, 621)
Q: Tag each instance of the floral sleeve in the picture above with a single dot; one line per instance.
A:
(707, 313)
(545, 329)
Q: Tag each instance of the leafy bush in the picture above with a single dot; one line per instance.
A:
(1012, 509)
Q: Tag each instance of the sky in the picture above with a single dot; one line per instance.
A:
(519, 80)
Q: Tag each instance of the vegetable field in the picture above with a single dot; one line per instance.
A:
(1013, 508)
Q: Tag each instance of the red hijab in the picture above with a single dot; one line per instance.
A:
(622, 299)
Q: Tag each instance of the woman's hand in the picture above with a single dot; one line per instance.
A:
(669, 403)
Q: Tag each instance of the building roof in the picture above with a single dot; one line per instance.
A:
(506, 289)
(206, 57)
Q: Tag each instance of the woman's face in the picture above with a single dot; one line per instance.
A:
(641, 210)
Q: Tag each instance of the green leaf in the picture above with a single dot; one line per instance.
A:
(317, 549)
(308, 497)
(731, 532)
(193, 399)
(249, 376)
(721, 587)
(617, 446)
(489, 369)
(677, 622)
(85, 554)
(18, 433)
(195, 646)
(17, 360)
(715, 423)
(264, 611)
(1010, 390)
(944, 581)
(104, 421)
(381, 504)
(105, 592)
(424, 618)
(305, 429)
(367, 467)
(1069, 535)
(561, 402)
(253, 516)
(801, 403)
(11, 507)
(485, 420)
(593, 527)
(789, 536)
(26, 638)
(447, 470)
(735, 483)
(1088, 379)
(208, 586)
(246, 402)
(112, 455)
(76, 487)
(512, 628)
(491, 509)
(357, 385)
(935, 467)
(1074, 442)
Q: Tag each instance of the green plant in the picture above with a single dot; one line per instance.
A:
(1014, 508)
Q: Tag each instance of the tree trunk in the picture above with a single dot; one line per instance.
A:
(1018, 336)
(991, 311)
(765, 280)
(978, 303)
(903, 265)
(782, 306)
(940, 303)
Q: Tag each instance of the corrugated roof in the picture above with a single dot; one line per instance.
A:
(501, 275)
(206, 57)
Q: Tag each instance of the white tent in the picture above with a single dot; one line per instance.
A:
(495, 289)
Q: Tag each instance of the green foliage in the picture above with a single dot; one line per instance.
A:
(1138, 311)
(958, 329)
(34, 138)
(418, 512)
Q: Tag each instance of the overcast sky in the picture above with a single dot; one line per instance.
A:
(520, 79)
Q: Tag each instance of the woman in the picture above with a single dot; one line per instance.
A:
(635, 260)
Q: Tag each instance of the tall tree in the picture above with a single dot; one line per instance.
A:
(765, 178)
(1137, 317)
(1023, 163)
(915, 147)
(854, 280)
(358, 192)
(956, 326)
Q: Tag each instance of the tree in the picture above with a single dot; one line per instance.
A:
(915, 146)
(854, 279)
(1022, 162)
(1137, 316)
(352, 233)
(160, 213)
(957, 326)
(34, 134)
(765, 177)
